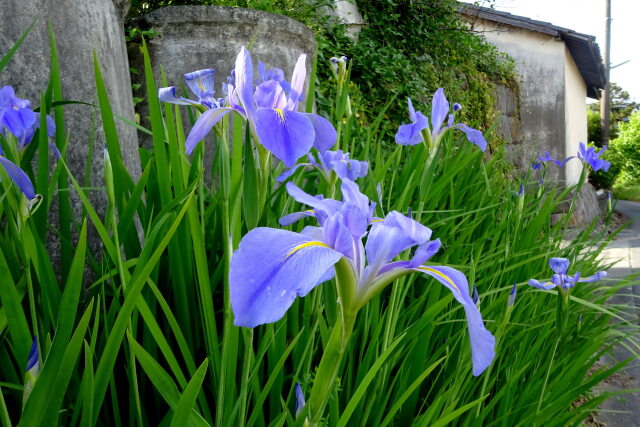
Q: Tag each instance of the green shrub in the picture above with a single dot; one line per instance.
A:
(627, 149)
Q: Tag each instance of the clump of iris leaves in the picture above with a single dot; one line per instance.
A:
(143, 333)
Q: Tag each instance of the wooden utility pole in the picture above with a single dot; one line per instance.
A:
(605, 102)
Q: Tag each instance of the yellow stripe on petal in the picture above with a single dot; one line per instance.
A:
(305, 245)
(440, 274)
(201, 85)
(280, 113)
(376, 220)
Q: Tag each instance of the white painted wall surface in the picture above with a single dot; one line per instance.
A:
(576, 116)
(552, 94)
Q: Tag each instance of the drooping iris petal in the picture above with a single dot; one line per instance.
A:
(295, 217)
(297, 83)
(287, 134)
(545, 285)
(559, 265)
(327, 205)
(439, 111)
(325, 135)
(18, 176)
(286, 174)
(482, 342)
(244, 81)
(270, 269)
(599, 275)
(203, 126)
(473, 135)
(168, 94)
(201, 81)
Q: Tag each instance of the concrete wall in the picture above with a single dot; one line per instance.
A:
(540, 63)
(81, 27)
(575, 116)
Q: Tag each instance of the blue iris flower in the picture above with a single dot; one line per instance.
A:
(590, 157)
(332, 161)
(263, 287)
(17, 118)
(411, 134)
(587, 155)
(560, 277)
(270, 107)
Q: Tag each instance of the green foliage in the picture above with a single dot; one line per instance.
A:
(154, 316)
(627, 150)
(627, 193)
(621, 108)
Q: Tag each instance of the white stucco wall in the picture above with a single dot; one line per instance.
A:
(575, 110)
(552, 94)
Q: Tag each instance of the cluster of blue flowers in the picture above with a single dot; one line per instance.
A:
(263, 288)
(347, 234)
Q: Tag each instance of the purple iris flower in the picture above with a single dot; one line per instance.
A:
(590, 157)
(17, 118)
(264, 287)
(546, 157)
(332, 161)
(270, 107)
(561, 279)
(201, 83)
(411, 134)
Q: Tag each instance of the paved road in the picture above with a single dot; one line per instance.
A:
(624, 410)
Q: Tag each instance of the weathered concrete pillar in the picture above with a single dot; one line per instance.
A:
(195, 37)
(80, 27)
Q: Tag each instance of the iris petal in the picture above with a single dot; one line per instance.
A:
(244, 81)
(297, 83)
(286, 134)
(203, 126)
(270, 95)
(439, 111)
(270, 269)
(286, 174)
(473, 135)
(411, 134)
(18, 176)
(482, 342)
(325, 135)
(559, 265)
(168, 94)
(200, 81)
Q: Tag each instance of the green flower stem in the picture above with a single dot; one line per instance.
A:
(562, 311)
(329, 364)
